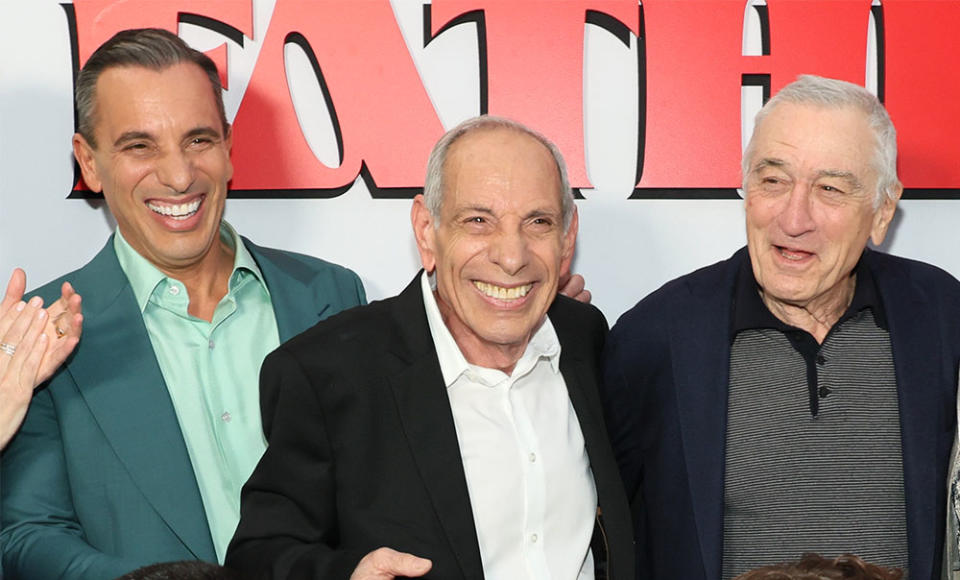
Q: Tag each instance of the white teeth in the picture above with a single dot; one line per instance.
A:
(179, 211)
(501, 293)
(792, 255)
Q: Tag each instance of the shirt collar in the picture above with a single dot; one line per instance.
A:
(749, 311)
(144, 276)
(453, 364)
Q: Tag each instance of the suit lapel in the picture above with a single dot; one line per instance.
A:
(288, 294)
(424, 409)
(576, 375)
(700, 348)
(581, 382)
(119, 378)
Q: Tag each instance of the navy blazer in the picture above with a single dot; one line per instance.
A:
(666, 368)
(98, 481)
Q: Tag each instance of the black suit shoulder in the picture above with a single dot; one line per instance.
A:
(581, 328)
(369, 328)
(342, 356)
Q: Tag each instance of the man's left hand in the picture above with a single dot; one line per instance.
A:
(63, 326)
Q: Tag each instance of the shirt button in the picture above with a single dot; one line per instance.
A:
(824, 392)
(533, 538)
(174, 290)
(211, 344)
(533, 457)
(821, 360)
(226, 417)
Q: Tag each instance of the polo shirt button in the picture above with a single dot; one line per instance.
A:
(174, 290)
(211, 344)
(533, 538)
(226, 417)
(821, 360)
(824, 391)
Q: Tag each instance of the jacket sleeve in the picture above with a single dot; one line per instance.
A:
(288, 516)
(41, 535)
(623, 394)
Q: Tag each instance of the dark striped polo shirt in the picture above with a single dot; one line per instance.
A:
(813, 458)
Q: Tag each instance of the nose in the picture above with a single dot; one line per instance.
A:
(176, 171)
(510, 251)
(796, 217)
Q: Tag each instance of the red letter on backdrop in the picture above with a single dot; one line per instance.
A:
(923, 90)
(535, 63)
(98, 20)
(385, 118)
(694, 69)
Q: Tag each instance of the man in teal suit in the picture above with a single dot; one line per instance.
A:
(136, 450)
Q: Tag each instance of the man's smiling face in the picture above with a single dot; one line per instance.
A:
(810, 195)
(499, 246)
(161, 159)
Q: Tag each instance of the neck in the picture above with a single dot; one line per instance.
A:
(501, 358)
(816, 316)
(206, 281)
(475, 349)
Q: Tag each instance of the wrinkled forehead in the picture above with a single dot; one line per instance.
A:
(813, 138)
(500, 159)
(137, 94)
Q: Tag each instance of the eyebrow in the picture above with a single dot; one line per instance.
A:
(474, 209)
(768, 162)
(539, 213)
(847, 176)
(203, 132)
(536, 213)
(131, 136)
(135, 135)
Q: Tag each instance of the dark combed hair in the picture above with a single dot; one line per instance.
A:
(815, 567)
(151, 48)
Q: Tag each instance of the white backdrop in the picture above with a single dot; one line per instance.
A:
(626, 248)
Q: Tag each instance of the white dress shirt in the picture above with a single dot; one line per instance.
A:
(532, 493)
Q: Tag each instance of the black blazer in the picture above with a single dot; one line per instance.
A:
(363, 450)
(667, 372)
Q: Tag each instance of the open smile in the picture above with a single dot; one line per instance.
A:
(793, 254)
(501, 292)
(176, 211)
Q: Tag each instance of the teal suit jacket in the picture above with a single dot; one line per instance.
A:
(98, 481)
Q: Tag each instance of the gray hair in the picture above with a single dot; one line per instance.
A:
(836, 94)
(152, 48)
(433, 185)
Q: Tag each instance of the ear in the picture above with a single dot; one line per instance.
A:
(228, 144)
(884, 215)
(569, 242)
(425, 233)
(84, 155)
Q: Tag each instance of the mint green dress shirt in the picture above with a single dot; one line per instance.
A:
(211, 370)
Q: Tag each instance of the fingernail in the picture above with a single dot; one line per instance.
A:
(41, 314)
(36, 301)
(43, 337)
(21, 305)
